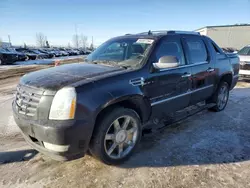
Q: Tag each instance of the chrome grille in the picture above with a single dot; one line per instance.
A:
(27, 101)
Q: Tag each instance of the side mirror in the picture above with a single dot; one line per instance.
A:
(166, 62)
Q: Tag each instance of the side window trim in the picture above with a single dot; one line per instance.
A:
(186, 66)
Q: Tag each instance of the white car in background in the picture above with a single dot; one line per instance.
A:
(244, 55)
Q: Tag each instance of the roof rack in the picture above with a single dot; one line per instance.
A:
(152, 32)
(184, 32)
(168, 32)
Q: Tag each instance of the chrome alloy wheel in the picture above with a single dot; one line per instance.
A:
(121, 137)
(222, 97)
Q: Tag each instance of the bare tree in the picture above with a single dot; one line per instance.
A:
(41, 39)
(76, 40)
(83, 41)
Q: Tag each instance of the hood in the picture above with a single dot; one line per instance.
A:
(244, 58)
(64, 75)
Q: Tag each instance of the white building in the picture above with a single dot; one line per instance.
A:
(235, 36)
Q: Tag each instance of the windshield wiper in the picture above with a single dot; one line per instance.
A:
(108, 63)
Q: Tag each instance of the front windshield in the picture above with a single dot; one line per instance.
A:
(125, 50)
(245, 51)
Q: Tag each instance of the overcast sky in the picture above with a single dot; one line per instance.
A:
(103, 19)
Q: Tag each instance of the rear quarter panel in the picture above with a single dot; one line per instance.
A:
(224, 64)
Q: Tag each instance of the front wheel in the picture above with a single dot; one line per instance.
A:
(116, 137)
(220, 97)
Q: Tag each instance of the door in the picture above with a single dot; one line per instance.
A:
(202, 68)
(168, 89)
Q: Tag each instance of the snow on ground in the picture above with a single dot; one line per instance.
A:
(45, 61)
(32, 62)
(40, 62)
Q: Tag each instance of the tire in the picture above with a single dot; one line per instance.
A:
(220, 97)
(113, 140)
(1, 62)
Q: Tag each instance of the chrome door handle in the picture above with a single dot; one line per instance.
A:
(186, 75)
(210, 70)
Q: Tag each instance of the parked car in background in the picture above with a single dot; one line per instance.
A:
(56, 52)
(230, 50)
(63, 51)
(21, 56)
(71, 52)
(244, 55)
(50, 54)
(81, 51)
(40, 54)
(31, 55)
(103, 105)
(76, 51)
(84, 51)
(7, 58)
(87, 52)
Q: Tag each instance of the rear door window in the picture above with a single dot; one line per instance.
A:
(196, 49)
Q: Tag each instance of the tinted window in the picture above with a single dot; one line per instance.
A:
(170, 48)
(197, 50)
(245, 51)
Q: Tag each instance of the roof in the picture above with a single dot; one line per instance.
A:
(235, 25)
(157, 34)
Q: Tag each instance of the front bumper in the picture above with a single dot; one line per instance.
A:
(75, 134)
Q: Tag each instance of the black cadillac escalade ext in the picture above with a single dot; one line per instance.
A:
(103, 104)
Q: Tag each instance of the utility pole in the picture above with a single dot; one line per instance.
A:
(9, 40)
(92, 44)
(77, 40)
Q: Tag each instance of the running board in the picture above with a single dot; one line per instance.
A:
(177, 116)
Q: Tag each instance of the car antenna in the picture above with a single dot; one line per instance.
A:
(150, 32)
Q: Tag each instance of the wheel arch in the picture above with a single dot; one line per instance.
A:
(138, 103)
(227, 77)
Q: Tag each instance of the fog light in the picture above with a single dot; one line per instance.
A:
(54, 147)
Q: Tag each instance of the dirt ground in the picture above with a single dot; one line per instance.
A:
(206, 150)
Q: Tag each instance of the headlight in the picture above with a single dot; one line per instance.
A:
(64, 104)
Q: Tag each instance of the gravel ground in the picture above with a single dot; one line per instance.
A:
(206, 150)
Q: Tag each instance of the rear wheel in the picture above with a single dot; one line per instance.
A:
(220, 97)
(116, 137)
(1, 62)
